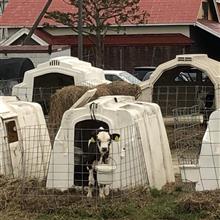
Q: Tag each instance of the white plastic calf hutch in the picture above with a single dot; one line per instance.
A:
(24, 140)
(187, 80)
(206, 173)
(40, 83)
(141, 157)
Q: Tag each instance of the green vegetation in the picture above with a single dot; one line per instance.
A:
(173, 202)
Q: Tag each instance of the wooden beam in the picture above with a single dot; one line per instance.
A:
(36, 23)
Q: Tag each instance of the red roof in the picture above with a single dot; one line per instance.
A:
(171, 11)
(210, 26)
(119, 40)
(23, 13)
(20, 13)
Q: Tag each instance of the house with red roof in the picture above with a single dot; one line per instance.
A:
(173, 27)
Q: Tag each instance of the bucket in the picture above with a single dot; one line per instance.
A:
(189, 172)
(105, 173)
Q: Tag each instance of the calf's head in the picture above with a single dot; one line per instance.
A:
(103, 140)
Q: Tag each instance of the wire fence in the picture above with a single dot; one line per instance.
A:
(42, 95)
(189, 129)
(56, 169)
(172, 97)
(198, 147)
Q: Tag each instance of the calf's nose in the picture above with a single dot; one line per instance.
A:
(104, 149)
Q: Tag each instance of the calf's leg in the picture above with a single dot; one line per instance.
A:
(106, 190)
(101, 191)
(91, 183)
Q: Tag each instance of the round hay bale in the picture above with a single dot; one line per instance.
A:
(124, 88)
(64, 98)
(102, 90)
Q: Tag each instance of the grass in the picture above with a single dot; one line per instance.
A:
(170, 204)
(175, 201)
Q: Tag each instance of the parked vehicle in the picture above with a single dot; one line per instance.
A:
(120, 75)
(143, 72)
(12, 72)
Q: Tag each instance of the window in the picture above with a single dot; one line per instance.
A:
(112, 77)
(205, 8)
(3, 4)
(188, 77)
(12, 133)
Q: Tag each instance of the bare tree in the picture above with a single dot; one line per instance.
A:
(98, 17)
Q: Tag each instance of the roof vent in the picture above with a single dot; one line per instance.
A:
(184, 59)
(180, 59)
(54, 63)
(188, 58)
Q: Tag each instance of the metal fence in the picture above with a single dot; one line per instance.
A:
(189, 128)
(172, 97)
(198, 147)
(49, 170)
(42, 95)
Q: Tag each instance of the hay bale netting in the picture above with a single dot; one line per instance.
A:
(64, 98)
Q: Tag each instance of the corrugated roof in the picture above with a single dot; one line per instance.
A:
(20, 13)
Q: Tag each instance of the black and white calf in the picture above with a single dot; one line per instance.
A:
(98, 153)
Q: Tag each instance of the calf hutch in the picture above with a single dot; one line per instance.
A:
(141, 157)
(40, 83)
(205, 171)
(187, 80)
(24, 140)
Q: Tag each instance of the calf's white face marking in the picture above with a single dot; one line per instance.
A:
(103, 141)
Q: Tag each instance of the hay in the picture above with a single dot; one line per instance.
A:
(200, 201)
(64, 98)
(32, 196)
(27, 198)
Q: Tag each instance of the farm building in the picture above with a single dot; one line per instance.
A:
(24, 140)
(172, 28)
(142, 156)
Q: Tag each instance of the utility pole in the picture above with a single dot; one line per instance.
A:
(37, 22)
(80, 29)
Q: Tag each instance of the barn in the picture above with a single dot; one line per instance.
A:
(141, 157)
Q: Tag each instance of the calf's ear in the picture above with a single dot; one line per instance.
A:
(93, 137)
(115, 137)
(92, 140)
